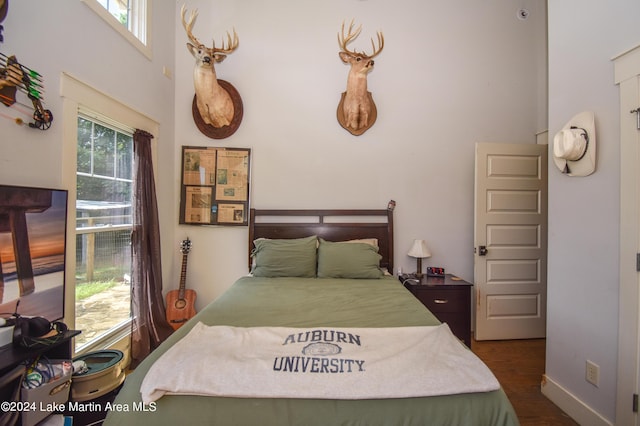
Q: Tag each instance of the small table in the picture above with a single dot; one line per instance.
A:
(448, 298)
(11, 355)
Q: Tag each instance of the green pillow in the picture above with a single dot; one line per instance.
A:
(348, 260)
(285, 258)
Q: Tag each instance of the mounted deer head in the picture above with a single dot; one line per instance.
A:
(357, 111)
(214, 103)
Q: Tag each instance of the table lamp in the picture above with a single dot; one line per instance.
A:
(420, 251)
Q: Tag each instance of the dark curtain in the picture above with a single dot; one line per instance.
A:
(149, 326)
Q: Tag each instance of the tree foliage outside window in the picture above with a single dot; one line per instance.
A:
(119, 9)
(105, 161)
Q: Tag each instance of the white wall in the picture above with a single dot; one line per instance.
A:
(57, 37)
(584, 212)
(451, 74)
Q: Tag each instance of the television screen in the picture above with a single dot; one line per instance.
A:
(33, 223)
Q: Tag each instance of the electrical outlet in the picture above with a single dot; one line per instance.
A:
(592, 373)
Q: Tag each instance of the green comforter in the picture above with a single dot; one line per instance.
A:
(296, 302)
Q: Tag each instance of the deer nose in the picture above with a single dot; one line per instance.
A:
(206, 59)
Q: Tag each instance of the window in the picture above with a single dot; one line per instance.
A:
(103, 228)
(89, 112)
(119, 9)
(130, 18)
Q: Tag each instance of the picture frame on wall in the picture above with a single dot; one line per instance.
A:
(215, 186)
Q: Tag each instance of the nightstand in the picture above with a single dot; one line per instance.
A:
(448, 298)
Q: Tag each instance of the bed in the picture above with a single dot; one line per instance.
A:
(330, 298)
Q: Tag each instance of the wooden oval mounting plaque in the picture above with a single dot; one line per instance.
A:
(224, 131)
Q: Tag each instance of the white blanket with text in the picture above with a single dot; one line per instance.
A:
(317, 362)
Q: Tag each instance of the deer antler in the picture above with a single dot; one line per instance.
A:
(344, 39)
(380, 44)
(189, 25)
(233, 44)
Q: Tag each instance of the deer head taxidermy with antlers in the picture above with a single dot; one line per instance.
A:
(217, 107)
(356, 110)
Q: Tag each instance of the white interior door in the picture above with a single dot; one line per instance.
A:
(510, 241)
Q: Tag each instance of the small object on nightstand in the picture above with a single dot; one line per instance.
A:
(409, 279)
(420, 251)
(433, 271)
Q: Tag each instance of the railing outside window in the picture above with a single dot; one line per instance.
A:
(103, 271)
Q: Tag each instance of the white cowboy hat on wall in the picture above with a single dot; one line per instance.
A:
(574, 147)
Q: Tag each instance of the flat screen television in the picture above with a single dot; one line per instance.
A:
(33, 224)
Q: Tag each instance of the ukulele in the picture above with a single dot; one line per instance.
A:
(180, 303)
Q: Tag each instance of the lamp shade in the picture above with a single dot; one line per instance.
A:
(419, 249)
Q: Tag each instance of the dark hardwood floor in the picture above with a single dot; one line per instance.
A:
(519, 366)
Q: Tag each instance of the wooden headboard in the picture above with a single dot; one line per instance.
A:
(331, 225)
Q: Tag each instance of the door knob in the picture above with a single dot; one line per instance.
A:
(482, 250)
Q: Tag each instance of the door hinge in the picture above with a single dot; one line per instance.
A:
(637, 262)
(637, 113)
(635, 402)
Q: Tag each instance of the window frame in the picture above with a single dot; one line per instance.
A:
(78, 96)
(141, 22)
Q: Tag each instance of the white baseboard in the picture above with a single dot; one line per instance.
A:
(570, 404)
